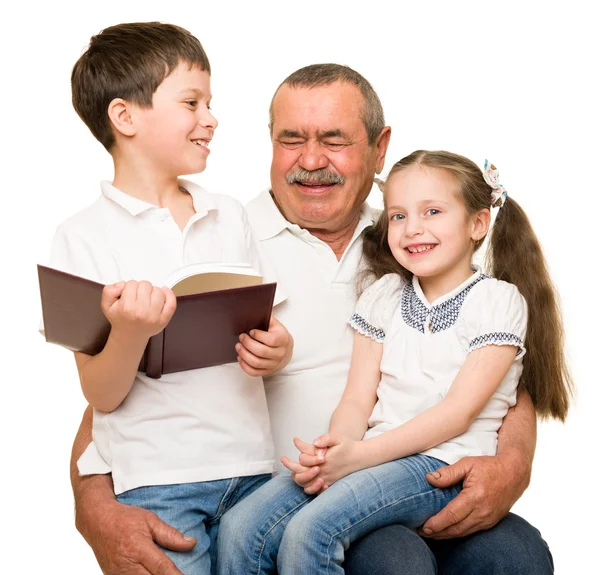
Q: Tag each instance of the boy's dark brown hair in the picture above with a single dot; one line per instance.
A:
(514, 255)
(128, 61)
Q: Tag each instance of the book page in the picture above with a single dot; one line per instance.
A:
(201, 283)
(201, 278)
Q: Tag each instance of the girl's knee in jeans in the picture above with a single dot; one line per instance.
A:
(303, 532)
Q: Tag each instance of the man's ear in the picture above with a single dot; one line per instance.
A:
(119, 114)
(382, 143)
(481, 224)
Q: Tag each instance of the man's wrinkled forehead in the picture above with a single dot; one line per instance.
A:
(324, 108)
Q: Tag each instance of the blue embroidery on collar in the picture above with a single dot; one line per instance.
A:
(441, 316)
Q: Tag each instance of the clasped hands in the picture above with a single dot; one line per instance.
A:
(320, 464)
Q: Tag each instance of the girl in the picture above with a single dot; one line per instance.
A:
(438, 353)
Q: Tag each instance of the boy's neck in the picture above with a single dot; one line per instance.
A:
(145, 183)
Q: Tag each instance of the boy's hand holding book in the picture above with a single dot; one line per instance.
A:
(137, 310)
(264, 352)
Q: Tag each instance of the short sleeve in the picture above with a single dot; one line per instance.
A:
(494, 313)
(376, 306)
(74, 253)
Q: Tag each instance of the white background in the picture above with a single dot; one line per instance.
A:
(513, 83)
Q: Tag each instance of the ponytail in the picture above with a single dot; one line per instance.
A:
(514, 255)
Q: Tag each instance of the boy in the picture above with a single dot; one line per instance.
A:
(187, 446)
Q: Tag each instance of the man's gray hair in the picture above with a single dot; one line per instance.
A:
(325, 74)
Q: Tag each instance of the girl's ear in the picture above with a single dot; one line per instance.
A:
(481, 224)
(120, 116)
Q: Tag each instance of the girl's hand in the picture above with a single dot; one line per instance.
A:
(309, 454)
(305, 477)
(305, 473)
(342, 458)
(264, 352)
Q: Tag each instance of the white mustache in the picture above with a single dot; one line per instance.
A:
(320, 176)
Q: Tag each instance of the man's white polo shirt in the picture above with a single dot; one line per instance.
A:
(197, 425)
(321, 297)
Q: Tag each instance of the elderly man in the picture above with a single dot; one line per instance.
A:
(329, 139)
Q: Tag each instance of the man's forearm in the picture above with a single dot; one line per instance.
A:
(90, 487)
(518, 435)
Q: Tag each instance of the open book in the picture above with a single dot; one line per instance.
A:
(215, 304)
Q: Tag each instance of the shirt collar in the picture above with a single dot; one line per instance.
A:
(202, 200)
(270, 221)
(457, 290)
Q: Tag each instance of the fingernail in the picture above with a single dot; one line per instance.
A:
(427, 531)
(238, 347)
(188, 538)
(315, 469)
(436, 474)
(252, 332)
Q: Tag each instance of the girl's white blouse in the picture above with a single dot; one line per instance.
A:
(425, 344)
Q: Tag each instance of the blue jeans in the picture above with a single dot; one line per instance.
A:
(276, 529)
(194, 509)
(513, 546)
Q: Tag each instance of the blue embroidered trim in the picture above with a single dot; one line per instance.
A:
(497, 338)
(361, 326)
(442, 316)
(414, 312)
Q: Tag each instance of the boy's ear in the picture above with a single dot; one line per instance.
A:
(481, 224)
(120, 117)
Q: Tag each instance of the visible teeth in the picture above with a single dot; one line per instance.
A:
(419, 249)
(201, 143)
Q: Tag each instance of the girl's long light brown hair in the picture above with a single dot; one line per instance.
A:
(514, 255)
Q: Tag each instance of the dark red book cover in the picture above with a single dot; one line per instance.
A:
(202, 332)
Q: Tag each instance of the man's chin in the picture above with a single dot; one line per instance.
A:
(318, 216)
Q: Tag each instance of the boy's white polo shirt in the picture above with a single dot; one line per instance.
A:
(196, 425)
(321, 297)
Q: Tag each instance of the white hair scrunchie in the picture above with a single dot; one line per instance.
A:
(492, 179)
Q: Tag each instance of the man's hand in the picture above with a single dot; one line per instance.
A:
(491, 485)
(124, 539)
(265, 352)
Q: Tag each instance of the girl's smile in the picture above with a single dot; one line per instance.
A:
(419, 249)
